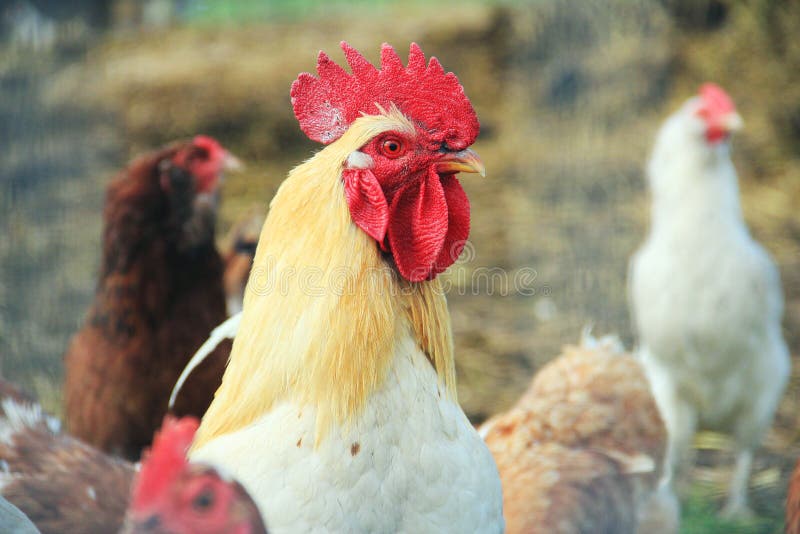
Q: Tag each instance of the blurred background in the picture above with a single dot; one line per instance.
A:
(569, 93)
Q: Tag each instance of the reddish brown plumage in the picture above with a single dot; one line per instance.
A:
(793, 502)
(159, 295)
(581, 451)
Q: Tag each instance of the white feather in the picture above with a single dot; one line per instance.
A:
(610, 343)
(21, 415)
(359, 160)
(409, 462)
(226, 330)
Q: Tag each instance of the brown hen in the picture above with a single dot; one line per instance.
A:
(159, 295)
(64, 485)
(581, 451)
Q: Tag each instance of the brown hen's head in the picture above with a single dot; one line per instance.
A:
(205, 159)
(190, 179)
(172, 496)
(400, 186)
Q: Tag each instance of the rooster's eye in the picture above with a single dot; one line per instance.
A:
(392, 147)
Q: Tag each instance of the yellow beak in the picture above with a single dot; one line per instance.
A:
(463, 161)
(733, 122)
(232, 163)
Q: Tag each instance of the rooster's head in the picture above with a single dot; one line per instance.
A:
(400, 186)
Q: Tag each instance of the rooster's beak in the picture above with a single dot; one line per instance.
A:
(463, 161)
(732, 122)
(232, 163)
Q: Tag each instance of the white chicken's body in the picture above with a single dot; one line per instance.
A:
(707, 302)
(409, 462)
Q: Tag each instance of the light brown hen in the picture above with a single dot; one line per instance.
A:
(582, 450)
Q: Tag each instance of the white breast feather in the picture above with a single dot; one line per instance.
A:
(410, 462)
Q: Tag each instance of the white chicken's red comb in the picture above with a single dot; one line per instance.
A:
(715, 97)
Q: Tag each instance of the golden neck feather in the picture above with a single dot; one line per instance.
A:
(323, 311)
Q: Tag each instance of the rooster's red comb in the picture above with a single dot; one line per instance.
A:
(165, 461)
(328, 104)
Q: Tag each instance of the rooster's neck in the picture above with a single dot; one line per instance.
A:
(323, 311)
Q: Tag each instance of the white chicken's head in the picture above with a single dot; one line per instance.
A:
(715, 113)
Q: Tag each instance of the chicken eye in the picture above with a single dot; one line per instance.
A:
(392, 147)
(203, 501)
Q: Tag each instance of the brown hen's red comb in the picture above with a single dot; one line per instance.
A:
(166, 459)
(328, 104)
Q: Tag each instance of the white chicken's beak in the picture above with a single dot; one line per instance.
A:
(464, 161)
(232, 163)
(732, 122)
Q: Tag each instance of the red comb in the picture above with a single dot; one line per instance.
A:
(207, 143)
(164, 461)
(328, 104)
(716, 99)
(203, 142)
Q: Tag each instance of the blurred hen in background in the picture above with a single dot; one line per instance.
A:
(706, 298)
(582, 449)
(238, 251)
(61, 483)
(172, 496)
(64, 485)
(159, 295)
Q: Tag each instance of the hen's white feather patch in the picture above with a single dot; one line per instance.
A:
(22, 415)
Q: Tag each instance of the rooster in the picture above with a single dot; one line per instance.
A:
(706, 298)
(581, 451)
(337, 410)
(159, 295)
(64, 485)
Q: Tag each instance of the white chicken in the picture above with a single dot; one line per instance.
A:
(705, 297)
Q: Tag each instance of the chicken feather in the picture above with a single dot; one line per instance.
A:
(581, 450)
